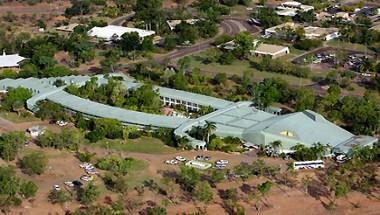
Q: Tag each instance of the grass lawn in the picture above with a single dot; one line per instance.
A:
(239, 67)
(146, 145)
(13, 117)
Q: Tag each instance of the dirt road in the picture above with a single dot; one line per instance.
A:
(58, 7)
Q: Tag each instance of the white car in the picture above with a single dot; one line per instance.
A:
(220, 166)
(89, 168)
(84, 165)
(91, 172)
(221, 162)
(180, 158)
(87, 178)
(171, 162)
(61, 123)
(56, 187)
(69, 183)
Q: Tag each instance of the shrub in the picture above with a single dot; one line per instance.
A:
(34, 163)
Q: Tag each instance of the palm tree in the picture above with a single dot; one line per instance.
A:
(276, 145)
(320, 149)
(209, 127)
(181, 141)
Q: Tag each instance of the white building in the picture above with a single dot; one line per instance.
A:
(67, 28)
(321, 33)
(112, 31)
(173, 23)
(311, 32)
(261, 49)
(291, 8)
(274, 51)
(10, 61)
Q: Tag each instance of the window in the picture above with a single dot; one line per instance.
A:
(287, 133)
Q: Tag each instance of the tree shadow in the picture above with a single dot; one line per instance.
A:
(317, 190)
(246, 188)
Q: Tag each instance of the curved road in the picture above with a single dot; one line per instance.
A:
(230, 26)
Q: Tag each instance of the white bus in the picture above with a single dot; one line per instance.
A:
(316, 164)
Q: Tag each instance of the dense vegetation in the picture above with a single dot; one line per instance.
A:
(114, 93)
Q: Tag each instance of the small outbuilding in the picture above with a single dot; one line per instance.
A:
(36, 131)
(274, 51)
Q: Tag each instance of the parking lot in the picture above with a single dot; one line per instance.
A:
(326, 58)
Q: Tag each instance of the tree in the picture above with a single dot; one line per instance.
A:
(156, 211)
(111, 57)
(80, 48)
(12, 188)
(276, 145)
(306, 181)
(267, 16)
(209, 127)
(170, 42)
(34, 163)
(78, 7)
(184, 64)
(304, 99)
(116, 182)
(59, 197)
(186, 33)
(130, 42)
(188, 178)
(10, 143)
(264, 188)
(150, 11)
(243, 45)
(202, 192)
(217, 176)
(15, 98)
(88, 194)
(50, 110)
(28, 189)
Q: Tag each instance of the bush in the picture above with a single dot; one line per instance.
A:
(307, 44)
(34, 163)
(28, 189)
(116, 164)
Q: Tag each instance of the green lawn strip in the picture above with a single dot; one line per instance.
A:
(13, 117)
(347, 45)
(238, 68)
(146, 145)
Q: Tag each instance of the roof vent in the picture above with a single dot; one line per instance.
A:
(314, 116)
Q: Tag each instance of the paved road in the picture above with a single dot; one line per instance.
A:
(120, 20)
(230, 26)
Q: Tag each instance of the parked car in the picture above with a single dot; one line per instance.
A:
(69, 183)
(220, 166)
(341, 158)
(61, 123)
(221, 162)
(56, 187)
(171, 162)
(180, 158)
(77, 183)
(84, 165)
(202, 157)
(91, 171)
(87, 177)
(207, 158)
(199, 157)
